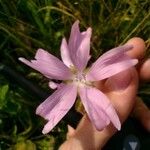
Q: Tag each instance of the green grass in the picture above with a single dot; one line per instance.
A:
(26, 25)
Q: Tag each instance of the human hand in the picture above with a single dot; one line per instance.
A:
(121, 89)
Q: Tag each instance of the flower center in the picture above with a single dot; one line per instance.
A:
(80, 80)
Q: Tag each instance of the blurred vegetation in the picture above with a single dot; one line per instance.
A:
(26, 25)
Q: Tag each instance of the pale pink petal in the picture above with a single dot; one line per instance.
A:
(48, 65)
(57, 105)
(74, 37)
(115, 52)
(46, 106)
(67, 97)
(98, 108)
(83, 51)
(65, 55)
(112, 56)
(110, 64)
(79, 46)
(97, 74)
(50, 59)
(36, 67)
(52, 85)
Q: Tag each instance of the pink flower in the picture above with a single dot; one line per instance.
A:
(77, 79)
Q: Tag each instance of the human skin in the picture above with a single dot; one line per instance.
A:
(121, 89)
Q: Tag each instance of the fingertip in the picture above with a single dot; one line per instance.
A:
(138, 50)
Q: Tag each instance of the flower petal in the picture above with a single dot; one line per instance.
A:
(99, 108)
(65, 55)
(53, 85)
(74, 40)
(55, 107)
(116, 52)
(48, 65)
(79, 46)
(111, 63)
(83, 51)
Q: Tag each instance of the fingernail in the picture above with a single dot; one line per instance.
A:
(119, 81)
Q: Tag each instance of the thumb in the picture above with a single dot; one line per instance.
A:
(119, 82)
(121, 90)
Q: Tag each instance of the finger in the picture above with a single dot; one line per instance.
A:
(142, 113)
(139, 48)
(144, 72)
(138, 52)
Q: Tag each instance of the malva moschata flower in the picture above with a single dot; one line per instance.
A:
(78, 80)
